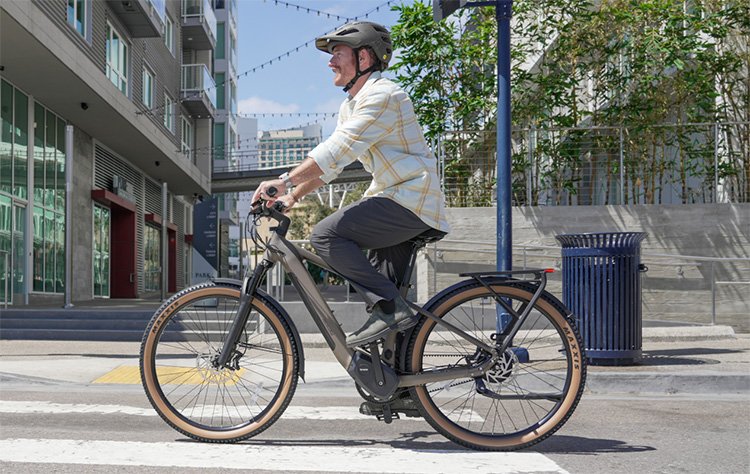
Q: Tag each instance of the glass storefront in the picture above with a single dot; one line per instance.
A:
(49, 201)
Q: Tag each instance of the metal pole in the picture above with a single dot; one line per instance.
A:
(164, 242)
(530, 174)
(713, 294)
(68, 216)
(503, 13)
(622, 168)
(242, 236)
(6, 277)
(716, 162)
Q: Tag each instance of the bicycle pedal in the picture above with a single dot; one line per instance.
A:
(396, 410)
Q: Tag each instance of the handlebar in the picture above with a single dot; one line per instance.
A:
(275, 211)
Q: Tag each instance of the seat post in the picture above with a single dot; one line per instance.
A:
(405, 281)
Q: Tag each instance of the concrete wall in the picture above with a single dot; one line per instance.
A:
(674, 289)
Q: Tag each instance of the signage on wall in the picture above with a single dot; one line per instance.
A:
(205, 255)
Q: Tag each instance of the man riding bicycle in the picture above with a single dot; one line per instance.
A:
(377, 126)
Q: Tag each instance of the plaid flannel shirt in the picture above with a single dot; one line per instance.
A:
(379, 128)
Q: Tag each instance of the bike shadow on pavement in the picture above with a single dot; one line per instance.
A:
(417, 441)
(580, 445)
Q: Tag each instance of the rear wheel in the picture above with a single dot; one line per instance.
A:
(181, 343)
(525, 396)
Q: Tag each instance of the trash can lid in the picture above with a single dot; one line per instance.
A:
(605, 240)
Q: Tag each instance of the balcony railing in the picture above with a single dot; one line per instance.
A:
(199, 13)
(198, 89)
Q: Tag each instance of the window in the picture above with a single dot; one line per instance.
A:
(233, 97)
(219, 141)
(77, 15)
(169, 34)
(187, 137)
(220, 89)
(220, 41)
(169, 113)
(49, 202)
(117, 59)
(148, 88)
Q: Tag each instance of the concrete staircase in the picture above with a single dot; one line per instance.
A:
(98, 324)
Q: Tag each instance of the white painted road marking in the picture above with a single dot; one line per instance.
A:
(291, 413)
(272, 457)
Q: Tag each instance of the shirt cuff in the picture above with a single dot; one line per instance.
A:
(326, 162)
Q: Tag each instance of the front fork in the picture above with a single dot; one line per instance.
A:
(247, 292)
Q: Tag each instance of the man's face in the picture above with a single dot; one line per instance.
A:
(342, 64)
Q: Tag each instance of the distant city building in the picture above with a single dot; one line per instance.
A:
(283, 148)
(246, 157)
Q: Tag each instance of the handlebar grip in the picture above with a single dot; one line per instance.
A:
(271, 191)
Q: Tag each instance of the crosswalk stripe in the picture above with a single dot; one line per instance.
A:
(271, 457)
(291, 413)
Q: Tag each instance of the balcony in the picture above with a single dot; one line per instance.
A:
(198, 90)
(198, 25)
(142, 18)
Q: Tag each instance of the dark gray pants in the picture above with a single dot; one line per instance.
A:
(379, 225)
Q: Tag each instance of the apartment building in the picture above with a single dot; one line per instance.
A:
(282, 148)
(104, 105)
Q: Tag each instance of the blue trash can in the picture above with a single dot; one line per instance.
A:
(602, 287)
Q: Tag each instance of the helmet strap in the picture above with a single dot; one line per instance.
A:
(359, 73)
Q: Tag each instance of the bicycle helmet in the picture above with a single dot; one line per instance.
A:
(358, 35)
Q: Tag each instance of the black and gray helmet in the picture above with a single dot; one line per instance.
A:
(358, 35)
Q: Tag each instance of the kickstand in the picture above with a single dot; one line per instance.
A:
(387, 413)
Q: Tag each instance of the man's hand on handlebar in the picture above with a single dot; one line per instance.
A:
(269, 191)
(266, 196)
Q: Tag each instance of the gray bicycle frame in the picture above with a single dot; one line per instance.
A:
(279, 250)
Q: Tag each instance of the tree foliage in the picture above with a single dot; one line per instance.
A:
(630, 64)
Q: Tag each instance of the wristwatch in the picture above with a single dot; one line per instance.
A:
(287, 182)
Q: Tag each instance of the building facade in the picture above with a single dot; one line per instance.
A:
(225, 135)
(103, 107)
(282, 148)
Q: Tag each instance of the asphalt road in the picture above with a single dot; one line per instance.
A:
(110, 428)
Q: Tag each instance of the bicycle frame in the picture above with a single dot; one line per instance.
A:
(291, 257)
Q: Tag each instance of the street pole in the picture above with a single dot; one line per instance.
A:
(68, 217)
(503, 13)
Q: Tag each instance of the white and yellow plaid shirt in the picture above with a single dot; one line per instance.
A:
(379, 128)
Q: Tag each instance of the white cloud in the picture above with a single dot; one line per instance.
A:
(259, 105)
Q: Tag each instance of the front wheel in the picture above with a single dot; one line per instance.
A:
(525, 396)
(187, 389)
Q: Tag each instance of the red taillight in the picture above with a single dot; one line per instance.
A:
(549, 270)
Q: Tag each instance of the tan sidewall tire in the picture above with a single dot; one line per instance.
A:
(162, 406)
(455, 432)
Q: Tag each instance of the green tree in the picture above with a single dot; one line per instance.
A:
(629, 64)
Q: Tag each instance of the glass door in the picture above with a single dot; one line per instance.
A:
(18, 252)
(6, 243)
(102, 226)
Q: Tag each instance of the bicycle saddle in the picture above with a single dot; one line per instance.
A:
(427, 237)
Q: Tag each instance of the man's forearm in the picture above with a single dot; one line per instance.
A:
(307, 171)
(306, 188)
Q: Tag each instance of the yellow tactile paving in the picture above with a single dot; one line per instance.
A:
(131, 374)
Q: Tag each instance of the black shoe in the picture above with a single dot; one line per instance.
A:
(379, 324)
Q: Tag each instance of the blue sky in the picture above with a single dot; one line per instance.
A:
(300, 82)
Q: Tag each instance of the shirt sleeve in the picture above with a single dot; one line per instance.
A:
(371, 120)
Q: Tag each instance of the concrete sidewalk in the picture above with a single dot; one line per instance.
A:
(709, 360)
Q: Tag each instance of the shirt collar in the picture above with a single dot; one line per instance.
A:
(374, 76)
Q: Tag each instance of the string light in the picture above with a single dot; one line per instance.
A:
(270, 61)
(312, 10)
